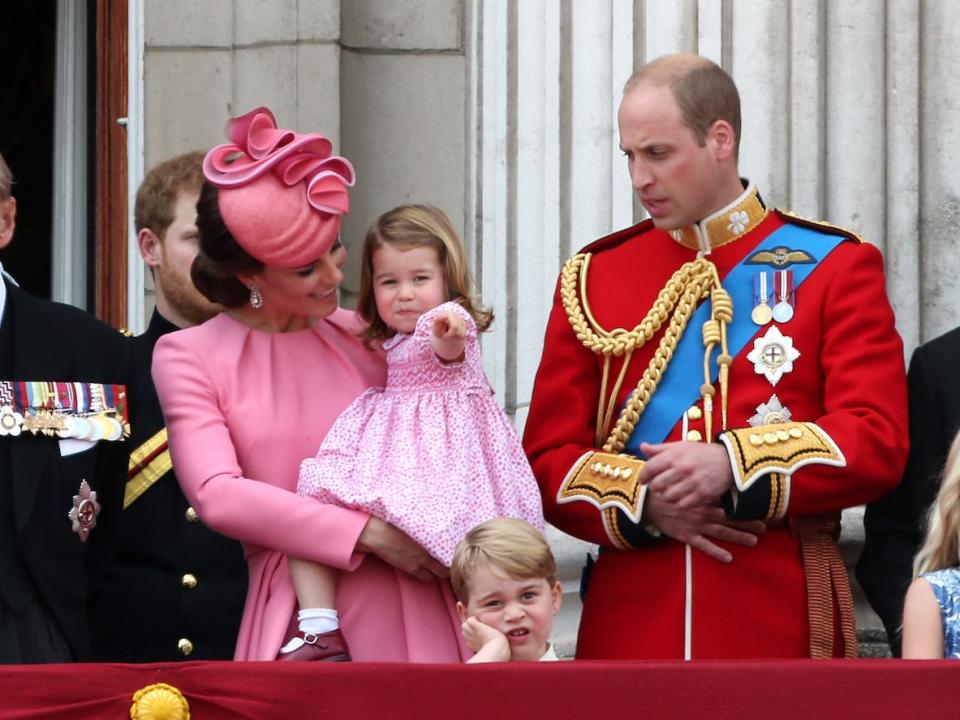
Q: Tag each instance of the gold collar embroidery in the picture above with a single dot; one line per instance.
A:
(724, 226)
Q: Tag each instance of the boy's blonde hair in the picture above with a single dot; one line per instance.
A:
(512, 545)
(410, 226)
(941, 549)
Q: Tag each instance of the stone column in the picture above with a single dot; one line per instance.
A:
(403, 100)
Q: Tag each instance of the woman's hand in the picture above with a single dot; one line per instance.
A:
(395, 547)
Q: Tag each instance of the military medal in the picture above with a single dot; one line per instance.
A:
(83, 514)
(783, 290)
(773, 355)
(45, 422)
(10, 421)
(771, 412)
(762, 314)
(78, 410)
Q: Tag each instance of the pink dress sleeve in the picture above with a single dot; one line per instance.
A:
(255, 510)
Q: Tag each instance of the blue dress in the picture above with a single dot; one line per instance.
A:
(946, 588)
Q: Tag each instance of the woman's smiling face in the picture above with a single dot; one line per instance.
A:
(309, 291)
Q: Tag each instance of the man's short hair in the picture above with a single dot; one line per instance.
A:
(703, 91)
(157, 195)
(512, 545)
(6, 179)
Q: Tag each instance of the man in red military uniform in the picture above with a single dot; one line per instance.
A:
(717, 384)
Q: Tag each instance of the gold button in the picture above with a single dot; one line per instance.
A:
(627, 472)
(783, 435)
(191, 515)
(185, 646)
(770, 438)
(694, 436)
(695, 413)
(796, 432)
(188, 581)
(756, 439)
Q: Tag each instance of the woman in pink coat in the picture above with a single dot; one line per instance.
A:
(252, 392)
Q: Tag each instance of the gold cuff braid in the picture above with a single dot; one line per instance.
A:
(778, 448)
(606, 480)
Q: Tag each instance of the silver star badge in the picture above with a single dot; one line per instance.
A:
(84, 512)
(770, 413)
(773, 355)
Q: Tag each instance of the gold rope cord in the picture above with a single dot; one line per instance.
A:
(676, 302)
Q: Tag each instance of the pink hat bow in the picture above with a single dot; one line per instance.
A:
(281, 192)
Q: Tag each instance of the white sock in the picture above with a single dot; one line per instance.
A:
(318, 620)
(313, 620)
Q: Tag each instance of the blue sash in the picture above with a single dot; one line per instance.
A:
(679, 387)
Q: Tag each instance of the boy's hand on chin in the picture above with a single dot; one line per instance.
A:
(489, 644)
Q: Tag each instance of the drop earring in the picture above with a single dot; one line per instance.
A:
(256, 299)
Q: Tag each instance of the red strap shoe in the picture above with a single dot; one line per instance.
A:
(325, 647)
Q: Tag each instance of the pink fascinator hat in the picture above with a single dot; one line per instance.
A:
(281, 192)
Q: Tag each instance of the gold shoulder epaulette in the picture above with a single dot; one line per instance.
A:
(792, 217)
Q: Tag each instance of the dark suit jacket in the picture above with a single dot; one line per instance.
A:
(894, 524)
(56, 342)
(144, 609)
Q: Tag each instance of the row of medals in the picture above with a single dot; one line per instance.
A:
(782, 311)
(91, 427)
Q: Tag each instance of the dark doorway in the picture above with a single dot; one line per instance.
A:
(28, 40)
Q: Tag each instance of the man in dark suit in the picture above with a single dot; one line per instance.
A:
(895, 524)
(61, 465)
(175, 588)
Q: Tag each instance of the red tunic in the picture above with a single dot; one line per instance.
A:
(848, 379)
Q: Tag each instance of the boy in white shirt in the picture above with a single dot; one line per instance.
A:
(505, 580)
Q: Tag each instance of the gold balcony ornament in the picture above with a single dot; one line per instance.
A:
(159, 702)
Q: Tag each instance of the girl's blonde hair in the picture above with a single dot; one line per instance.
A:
(512, 545)
(941, 548)
(410, 226)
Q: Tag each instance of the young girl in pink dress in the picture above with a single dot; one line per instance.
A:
(431, 453)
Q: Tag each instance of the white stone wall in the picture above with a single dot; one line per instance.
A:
(402, 111)
(205, 61)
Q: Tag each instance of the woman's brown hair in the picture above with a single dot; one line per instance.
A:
(221, 259)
